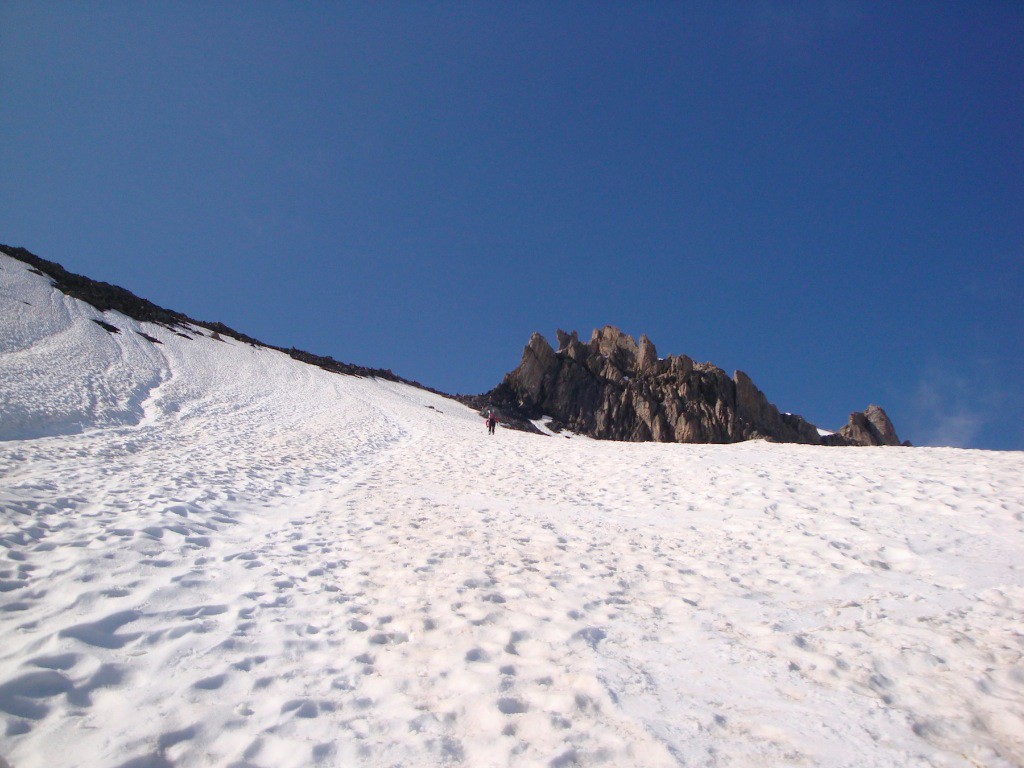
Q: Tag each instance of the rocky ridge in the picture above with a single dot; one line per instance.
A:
(106, 297)
(616, 388)
(612, 387)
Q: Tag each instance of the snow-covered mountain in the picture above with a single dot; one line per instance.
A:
(214, 554)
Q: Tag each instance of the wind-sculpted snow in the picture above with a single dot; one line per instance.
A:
(236, 559)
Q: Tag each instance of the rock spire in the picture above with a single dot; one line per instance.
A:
(613, 387)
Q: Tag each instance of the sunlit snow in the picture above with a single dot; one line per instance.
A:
(211, 554)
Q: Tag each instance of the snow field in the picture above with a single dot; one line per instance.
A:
(213, 555)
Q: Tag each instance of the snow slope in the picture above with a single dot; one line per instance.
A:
(211, 554)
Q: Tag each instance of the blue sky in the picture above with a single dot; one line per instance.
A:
(826, 195)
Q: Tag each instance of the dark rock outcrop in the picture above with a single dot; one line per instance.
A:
(872, 427)
(617, 389)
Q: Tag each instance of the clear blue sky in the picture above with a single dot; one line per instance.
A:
(827, 195)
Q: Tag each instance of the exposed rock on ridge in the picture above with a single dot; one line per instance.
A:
(872, 427)
(611, 387)
(106, 297)
(617, 389)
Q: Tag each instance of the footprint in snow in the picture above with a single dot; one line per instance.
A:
(103, 633)
(512, 706)
(20, 696)
(210, 683)
(169, 739)
(590, 635)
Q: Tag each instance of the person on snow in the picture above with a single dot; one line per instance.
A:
(492, 422)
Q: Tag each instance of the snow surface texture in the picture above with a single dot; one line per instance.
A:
(211, 554)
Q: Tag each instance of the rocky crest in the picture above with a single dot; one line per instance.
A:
(612, 387)
(872, 427)
(106, 297)
(616, 388)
